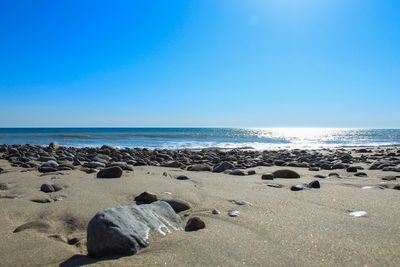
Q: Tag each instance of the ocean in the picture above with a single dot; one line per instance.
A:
(197, 138)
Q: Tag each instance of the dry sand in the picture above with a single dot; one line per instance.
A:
(280, 228)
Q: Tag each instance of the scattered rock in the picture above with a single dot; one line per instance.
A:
(314, 184)
(320, 176)
(275, 185)
(194, 224)
(146, 198)
(178, 205)
(288, 174)
(297, 187)
(223, 166)
(233, 213)
(110, 172)
(47, 188)
(333, 174)
(57, 187)
(241, 202)
(360, 174)
(352, 169)
(267, 176)
(314, 169)
(397, 187)
(125, 230)
(237, 172)
(215, 212)
(182, 177)
(42, 200)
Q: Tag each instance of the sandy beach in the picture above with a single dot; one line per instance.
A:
(277, 227)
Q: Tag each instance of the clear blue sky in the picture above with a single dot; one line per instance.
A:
(260, 63)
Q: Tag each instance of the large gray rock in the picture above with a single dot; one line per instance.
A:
(125, 230)
(223, 166)
(110, 172)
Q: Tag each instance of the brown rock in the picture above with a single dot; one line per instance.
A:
(194, 224)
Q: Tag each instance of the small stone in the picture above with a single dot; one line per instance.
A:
(182, 177)
(297, 187)
(333, 174)
(241, 202)
(47, 188)
(237, 172)
(389, 178)
(42, 200)
(352, 169)
(233, 213)
(194, 224)
(215, 212)
(314, 184)
(110, 172)
(275, 185)
(146, 198)
(251, 172)
(57, 187)
(267, 176)
(288, 174)
(360, 174)
(320, 176)
(397, 187)
(314, 169)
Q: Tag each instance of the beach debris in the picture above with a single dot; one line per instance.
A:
(194, 224)
(178, 205)
(110, 172)
(267, 176)
(241, 202)
(233, 213)
(288, 174)
(215, 212)
(358, 213)
(125, 230)
(146, 198)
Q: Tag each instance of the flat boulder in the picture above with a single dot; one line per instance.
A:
(288, 174)
(146, 198)
(110, 172)
(125, 230)
(178, 205)
(223, 166)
